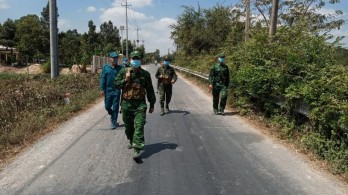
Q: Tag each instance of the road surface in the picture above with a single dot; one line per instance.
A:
(187, 151)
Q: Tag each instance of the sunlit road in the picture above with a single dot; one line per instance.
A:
(188, 151)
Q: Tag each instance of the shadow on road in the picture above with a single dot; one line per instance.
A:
(231, 113)
(158, 147)
(179, 111)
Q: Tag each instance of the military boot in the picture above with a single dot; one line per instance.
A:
(222, 112)
(136, 154)
(162, 111)
(216, 112)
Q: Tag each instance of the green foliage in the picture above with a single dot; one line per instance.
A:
(32, 38)
(297, 66)
(46, 67)
(205, 30)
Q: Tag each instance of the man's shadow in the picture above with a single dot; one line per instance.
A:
(158, 147)
(231, 113)
(178, 111)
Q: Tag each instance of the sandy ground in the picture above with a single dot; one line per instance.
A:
(35, 69)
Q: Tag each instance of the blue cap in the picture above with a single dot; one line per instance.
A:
(113, 55)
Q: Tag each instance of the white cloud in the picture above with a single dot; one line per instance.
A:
(64, 24)
(118, 16)
(91, 9)
(155, 33)
(135, 3)
(4, 4)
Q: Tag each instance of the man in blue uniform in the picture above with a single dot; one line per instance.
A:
(108, 90)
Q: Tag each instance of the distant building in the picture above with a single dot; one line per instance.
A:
(5, 53)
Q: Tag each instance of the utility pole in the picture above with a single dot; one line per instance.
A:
(126, 28)
(122, 29)
(247, 19)
(138, 36)
(274, 15)
(53, 39)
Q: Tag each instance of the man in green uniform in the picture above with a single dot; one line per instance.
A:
(219, 79)
(166, 78)
(108, 90)
(135, 83)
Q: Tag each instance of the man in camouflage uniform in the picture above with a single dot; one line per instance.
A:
(219, 79)
(108, 90)
(135, 83)
(166, 78)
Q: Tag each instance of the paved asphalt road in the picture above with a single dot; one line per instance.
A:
(188, 151)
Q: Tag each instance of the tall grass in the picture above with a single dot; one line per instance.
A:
(29, 105)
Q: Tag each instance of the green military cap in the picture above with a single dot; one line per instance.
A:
(135, 53)
(222, 55)
(113, 55)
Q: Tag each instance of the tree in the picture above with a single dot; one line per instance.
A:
(110, 37)
(203, 31)
(8, 35)
(69, 47)
(31, 37)
(304, 13)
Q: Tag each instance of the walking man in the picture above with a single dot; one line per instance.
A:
(166, 78)
(136, 84)
(219, 79)
(108, 90)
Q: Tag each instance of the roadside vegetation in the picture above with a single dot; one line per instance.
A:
(31, 106)
(301, 65)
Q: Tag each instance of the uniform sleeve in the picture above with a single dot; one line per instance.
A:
(158, 73)
(174, 76)
(119, 80)
(150, 93)
(102, 79)
(228, 76)
(211, 75)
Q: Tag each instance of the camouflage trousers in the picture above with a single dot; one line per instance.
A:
(165, 93)
(219, 96)
(134, 118)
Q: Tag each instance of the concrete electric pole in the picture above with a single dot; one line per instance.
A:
(122, 29)
(53, 39)
(126, 28)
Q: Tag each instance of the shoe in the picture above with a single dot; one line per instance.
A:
(167, 108)
(216, 112)
(162, 111)
(222, 112)
(113, 126)
(136, 154)
(129, 146)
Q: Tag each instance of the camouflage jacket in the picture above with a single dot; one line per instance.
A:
(168, 75)
(219, 75)
(139, 84)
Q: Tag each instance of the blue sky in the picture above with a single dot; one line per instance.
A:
(152, 17)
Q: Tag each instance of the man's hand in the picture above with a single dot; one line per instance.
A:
(151, 110)
(102, 93)
(211, 87)
(173, 81)
(128, 75)
(161, 76)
